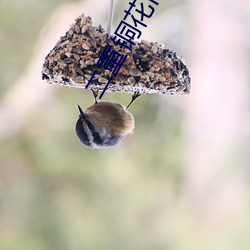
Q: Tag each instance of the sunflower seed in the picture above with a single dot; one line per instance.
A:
(134, 72)
(77, 29)
(88, 62)
(131, 80)
(78, 70)
(69, 60)
(154, 49)
(150, 74)
(77, 79)
(144, 78)
(85, 46)
(103, 80)
(77, 57)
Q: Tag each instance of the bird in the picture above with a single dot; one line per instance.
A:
(104, 124)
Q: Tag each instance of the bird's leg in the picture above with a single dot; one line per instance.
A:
(95, 94)
(134, 97)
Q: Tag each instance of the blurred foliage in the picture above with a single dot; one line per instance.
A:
(20, 23)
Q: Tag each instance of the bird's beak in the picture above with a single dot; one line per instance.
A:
(82, 115)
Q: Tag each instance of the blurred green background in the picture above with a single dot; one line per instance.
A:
(181, 181)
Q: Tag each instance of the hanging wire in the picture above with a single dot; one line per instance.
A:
(110, 15)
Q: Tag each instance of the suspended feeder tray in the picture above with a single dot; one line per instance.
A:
(149, 68)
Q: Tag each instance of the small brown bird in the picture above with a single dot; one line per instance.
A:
(104, 124)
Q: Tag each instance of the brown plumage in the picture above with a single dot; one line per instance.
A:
(112, 118)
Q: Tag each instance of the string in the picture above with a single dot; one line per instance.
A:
(110, 16)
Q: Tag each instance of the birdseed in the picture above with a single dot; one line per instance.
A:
(149, 68)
